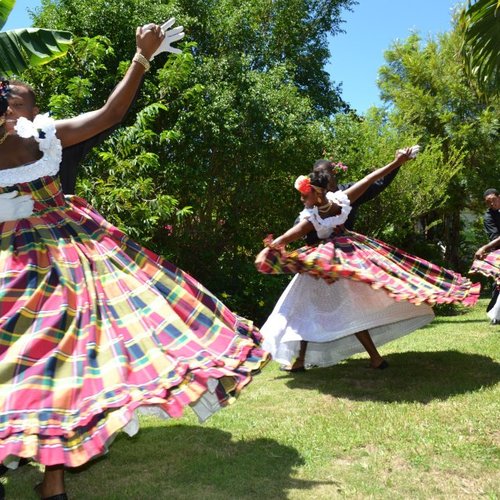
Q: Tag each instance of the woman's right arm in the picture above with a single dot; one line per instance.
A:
(294, 233)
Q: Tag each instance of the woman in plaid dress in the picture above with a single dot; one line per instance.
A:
(92, 325)
(487, 262)
(350, 292)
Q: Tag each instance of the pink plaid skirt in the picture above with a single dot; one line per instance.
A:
(93, 327)
(355, 256)
(489, 266)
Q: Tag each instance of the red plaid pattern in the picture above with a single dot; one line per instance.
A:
(93, 326)
(355, 256)
(489, 266)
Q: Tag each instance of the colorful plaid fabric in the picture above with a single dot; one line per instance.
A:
(93, 326)
(354, 256)
(489, 266)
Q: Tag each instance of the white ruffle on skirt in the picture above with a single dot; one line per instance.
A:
(494, 312)
(328, 316)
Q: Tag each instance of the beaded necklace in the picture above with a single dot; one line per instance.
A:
(323, 209)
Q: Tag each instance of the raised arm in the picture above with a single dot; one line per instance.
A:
(377, 187)
(359, 188)
(74, 130)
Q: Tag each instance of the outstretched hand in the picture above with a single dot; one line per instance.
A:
(13, 207)
(405, 154)
(171, 36)
(148, 38)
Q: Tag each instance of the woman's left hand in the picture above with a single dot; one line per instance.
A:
(403, 155)
(148, 38)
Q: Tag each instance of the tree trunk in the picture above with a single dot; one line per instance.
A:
(452, 239)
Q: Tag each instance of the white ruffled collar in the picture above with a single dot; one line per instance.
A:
(43, 130)
(324, 227)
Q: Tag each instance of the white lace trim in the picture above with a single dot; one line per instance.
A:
(324, 227)
(43, 129)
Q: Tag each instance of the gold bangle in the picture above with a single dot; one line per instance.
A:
(139, 58)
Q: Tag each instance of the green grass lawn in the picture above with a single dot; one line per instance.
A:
(427, 427)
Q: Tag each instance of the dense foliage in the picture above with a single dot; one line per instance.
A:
(427, 86)
(206, 170)
(480, 24)
(28, 47)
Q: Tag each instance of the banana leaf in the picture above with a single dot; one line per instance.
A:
(23, 48)
(5, 8)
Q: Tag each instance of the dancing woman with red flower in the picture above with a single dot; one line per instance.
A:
(350, 292)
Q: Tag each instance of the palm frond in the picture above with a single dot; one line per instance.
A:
(480, 23)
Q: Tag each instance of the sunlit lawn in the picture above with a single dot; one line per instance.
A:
(427, 427)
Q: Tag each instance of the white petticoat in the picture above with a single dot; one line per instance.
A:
(328, 316)
(494, 312)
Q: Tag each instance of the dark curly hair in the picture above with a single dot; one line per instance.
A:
(323, 166)
(490, 191)
(319, 179)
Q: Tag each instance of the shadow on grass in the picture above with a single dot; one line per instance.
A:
(411, 377)
(446, 319)
(183, 462)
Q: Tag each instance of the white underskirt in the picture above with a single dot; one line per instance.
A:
(494, 312)
(328, 316)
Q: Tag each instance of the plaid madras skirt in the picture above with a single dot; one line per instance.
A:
(489, 266)
(355, 256)
(93, 326)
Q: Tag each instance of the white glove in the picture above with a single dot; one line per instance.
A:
(414, 150)
(171, 36)
(13, 207)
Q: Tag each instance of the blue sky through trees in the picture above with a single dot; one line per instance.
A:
(358, 54)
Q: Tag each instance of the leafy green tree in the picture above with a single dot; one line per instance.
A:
(404, 213)
(238, 115)
(26, 47)
(431, 98)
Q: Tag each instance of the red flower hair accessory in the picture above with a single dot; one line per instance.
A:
(303, 184)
